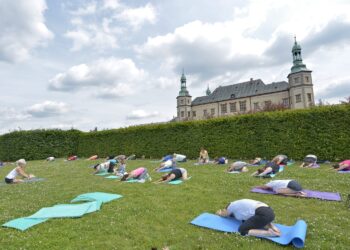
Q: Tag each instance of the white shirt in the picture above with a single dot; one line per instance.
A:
(277, 184)
(104, 166)
(183, 170)
(244, 209)
(312, 156)
(179, 157)
(13, 174)
(51, 158)
(168, 163)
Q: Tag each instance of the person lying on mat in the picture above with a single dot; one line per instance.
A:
(342, 166)
(270, 168)
(19, 170)
(121, 168)
(284, 187)
(203, 156)
(256, 161)
(281, 159)
(175, 174)
(309, 161)
(171, 163)
(180, 158)
(50, 158)
(138, 173)
(92, 158)
(167, 157)
(256, 217)
(72, 158)
(238, 166)
(107, 166)
(220, 160)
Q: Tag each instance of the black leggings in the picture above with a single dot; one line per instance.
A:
(263, 216)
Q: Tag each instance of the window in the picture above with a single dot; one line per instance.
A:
(309, 98)
(233, 96)
(223, 108)
(189, 114)
(182, 113)
(298, 98)
(285, 102)
(182, 101)
(243, 106)
(256, 105)
(205, 113)
(233, 107)
(188, 101)
(212, 111)
(267, 103)
(306, 79)
(193, 113)
(296, 80)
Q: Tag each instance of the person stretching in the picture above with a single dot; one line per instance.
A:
(269, 168)
(284, 187)
(203, 156)
(107, 166)
(344, 165)
(309, 161)
(170, 163)
(138, 173)
(175, 174)
(11, 178)
(238, 166)
(121, 168)
(256, 217)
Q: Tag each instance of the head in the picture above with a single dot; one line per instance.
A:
(96, 165)
(21, 163)
(125, 176)
(276, 160)
(222, 212)
(164, 177)
(122, 160)
(260, 170)
(336, 165)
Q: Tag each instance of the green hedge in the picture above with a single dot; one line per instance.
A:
(323, 131)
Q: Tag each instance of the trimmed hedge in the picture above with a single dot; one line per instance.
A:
(323, 131)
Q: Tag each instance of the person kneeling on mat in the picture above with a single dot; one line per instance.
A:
(11, 178)
(238, 166)
(342, 166)
(256, 217)
(120, 171)
(107, 166)
(175, 174)
(170, 163)
(284, 187)
(270, 168)
(309, 161)
(138, 173)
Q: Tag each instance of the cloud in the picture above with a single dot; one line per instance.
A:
(141, 114)
(112, 76)
(136, 17)
(47, 109)
(88, 9)
(111, 4)
(22, 29)
(11, 114)
(336, 89)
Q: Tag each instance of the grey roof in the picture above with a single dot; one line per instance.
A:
(240, 90)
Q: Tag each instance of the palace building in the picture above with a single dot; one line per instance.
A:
(253, 95)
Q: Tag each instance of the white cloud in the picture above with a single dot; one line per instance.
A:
(11, 114)
(141, 114)
(47, 109)
(136, 17)
(22, 28)
(113, 75)
(111, 4)
(88, 9)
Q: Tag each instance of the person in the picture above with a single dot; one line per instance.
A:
(256, 217)
(92, 158)
(51, 158)
(166, 158)
(342, 166)
(171, 163)
(180, 158)
(284, 187)
(281, 160)
(72, 158)
(121, 167)
(309, 161)
(220, 160)
(257, 161)
(175, 174)
(238, 166)
(140, 173)
(107, 166)
(203, 156)
(19, 170)
(270, 168)
(131, 157)
(110, 157)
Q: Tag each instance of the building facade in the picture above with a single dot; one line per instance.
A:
(249, 96)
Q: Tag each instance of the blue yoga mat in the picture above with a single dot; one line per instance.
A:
(23, 223)
(344, 171)
(164, 170)
(290, 234)
(176, 182)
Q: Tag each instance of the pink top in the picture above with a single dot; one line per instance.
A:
(346, 162)
(138, 171)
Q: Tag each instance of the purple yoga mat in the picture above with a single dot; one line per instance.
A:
(310, 194)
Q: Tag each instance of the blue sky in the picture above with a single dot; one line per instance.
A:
(114, 63)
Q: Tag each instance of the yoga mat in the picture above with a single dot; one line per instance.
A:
(165, 170)
(136, 180)
(112, 177)
(97, 196)
(234, 172)
(310, 194)
(176, 182)
(102, 174)
(23, 223)
(343, 171)
(289, 234)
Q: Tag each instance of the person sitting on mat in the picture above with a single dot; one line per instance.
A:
(284, 187)
(175, 174)
(180, 158)
(107, 166)
(51, 158)
(270, 168)
(203, 156)
(121, 167)
(256, 217)
(342, 166)
(72, 158)
(138, 173)
(92, 158)
(19, 170)
(220, 160)
(238, 166)
(171, 163)
(309, 161)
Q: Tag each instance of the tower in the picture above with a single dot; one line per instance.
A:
(208, 92)
(301, 93)
(184, 101)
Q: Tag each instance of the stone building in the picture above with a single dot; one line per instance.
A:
(253, 95)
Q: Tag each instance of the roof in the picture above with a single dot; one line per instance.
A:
(240, 90)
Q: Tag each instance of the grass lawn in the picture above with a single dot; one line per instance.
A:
(152, 215)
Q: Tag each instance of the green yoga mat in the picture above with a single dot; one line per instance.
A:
(97, 196)
(102, 174)
(23, 223)
(176, 182)
(112, 177)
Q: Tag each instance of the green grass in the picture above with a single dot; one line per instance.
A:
(152, 215)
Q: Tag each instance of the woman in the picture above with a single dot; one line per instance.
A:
(284, 187)
(170, 163)
(220, 160)
(11, 178)
(256, 217)
(272, 167)
(238, 166)
(107, 166)
(309, 162)
(281, 159)
(138, 173)
(175, 174)
(203, 156)
(121, 167)
(342, 166)
(92, 158)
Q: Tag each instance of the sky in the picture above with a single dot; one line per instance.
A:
(111, 63)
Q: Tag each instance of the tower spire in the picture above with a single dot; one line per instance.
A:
(183, 91)
(297, 58)
(208, 92)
